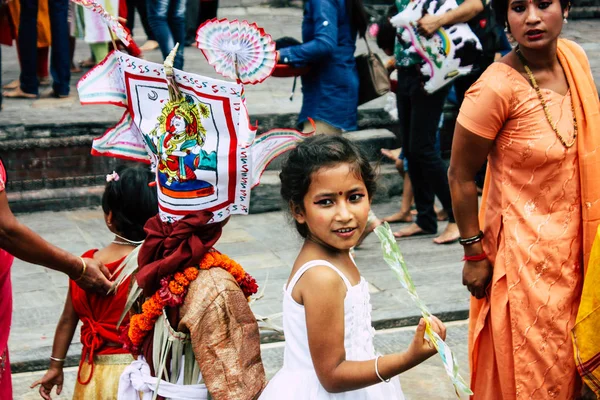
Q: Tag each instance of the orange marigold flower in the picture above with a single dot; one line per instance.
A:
(191, 273)
(207, 261)
(181, 279)
(175, 288)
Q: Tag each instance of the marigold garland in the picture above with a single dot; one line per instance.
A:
(172, 293)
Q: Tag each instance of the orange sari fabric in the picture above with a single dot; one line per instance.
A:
(537, 201)
(44, 38)
(99, 316)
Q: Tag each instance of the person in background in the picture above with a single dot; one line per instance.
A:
(419, 113)
(330, 87)
(43, 45)
(16, 240)
(198, 12)
(142, 9)
(167, 21)
(60, 63)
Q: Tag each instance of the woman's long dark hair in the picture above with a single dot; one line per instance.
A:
(358, 16)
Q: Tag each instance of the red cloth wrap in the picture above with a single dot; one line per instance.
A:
(99, 316)
(169, 247)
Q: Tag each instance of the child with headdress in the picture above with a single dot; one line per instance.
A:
(128, 202)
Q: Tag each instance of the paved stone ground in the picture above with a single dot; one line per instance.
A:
(426, 381)
(265, 244)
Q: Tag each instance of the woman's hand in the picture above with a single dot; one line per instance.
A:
(95, 278)
(429, 24)
(53, 377)
(477, 276)
(421, 349)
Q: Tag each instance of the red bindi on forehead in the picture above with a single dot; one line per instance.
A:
(340, 193)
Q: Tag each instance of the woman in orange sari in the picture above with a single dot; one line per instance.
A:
(526, 256)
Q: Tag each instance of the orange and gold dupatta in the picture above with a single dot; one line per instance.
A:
(587, 111)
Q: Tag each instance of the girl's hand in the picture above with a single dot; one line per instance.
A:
(53, 377)
(477, 276)
(421, 349)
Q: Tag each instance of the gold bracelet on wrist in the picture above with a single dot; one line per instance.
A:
(82, 271)
(57, 359)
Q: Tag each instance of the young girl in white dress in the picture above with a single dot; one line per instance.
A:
(329, 351)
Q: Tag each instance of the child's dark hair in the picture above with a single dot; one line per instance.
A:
(386, 34)
(314, 153)
(131, 200)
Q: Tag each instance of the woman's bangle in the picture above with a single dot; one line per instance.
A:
(57, 359)
(82, 271)
(477, 257)
(377, 371)
(471, 240)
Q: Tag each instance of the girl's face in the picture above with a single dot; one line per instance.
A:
(336, 207)
(535, 24)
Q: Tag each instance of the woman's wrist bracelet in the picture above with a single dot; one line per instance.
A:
(471, 240)
(377, 371)
(82, 271)
(57, 359)
(477, 257)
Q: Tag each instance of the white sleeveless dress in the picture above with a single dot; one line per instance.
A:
(297, 380)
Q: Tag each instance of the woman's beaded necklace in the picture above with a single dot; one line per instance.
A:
(545, 107)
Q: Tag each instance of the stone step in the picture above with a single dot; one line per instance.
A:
(370, 141)
(265, 197)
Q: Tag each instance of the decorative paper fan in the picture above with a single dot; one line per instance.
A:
(224, 42)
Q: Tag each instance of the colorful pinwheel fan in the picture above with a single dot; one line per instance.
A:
(237, 50)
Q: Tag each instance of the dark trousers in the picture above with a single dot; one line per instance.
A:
(142, 9)
(167, 20)
(419, 115)
(198, 12)
(60, 62)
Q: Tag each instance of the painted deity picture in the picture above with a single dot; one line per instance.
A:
(178, 140)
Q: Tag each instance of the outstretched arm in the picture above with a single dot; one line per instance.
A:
(323, 292)
(325, 16)
(65, 329)
(28, 246)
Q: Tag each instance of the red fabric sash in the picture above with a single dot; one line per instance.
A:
(168, 247)
(99, 315)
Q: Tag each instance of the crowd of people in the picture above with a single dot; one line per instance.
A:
(46, 53)
(526, 247)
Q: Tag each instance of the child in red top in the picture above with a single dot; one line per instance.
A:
(127, 203)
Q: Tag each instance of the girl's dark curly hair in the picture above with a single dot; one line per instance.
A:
(131, 201)
(501, 10)
(314, 153)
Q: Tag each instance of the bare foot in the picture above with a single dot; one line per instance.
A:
(370, 228)
(89, 63)
(45, 81)
(391, 154)
(449, 236)
(442, 215)
(19, 94)
(411, 230)
(12, 85)
(400, 216)
(149, 45)
(75, 69)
